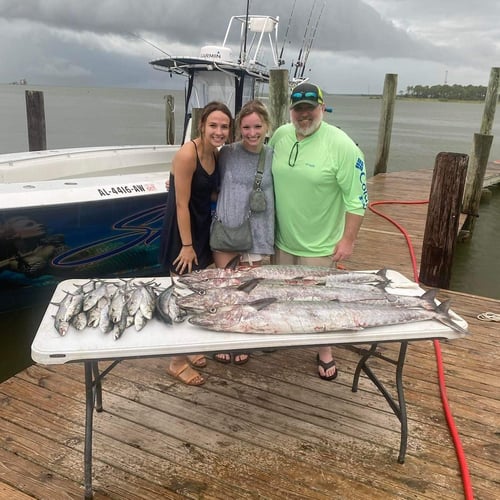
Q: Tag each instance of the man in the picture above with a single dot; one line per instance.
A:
(320, 192)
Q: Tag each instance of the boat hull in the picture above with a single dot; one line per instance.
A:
(114, 233)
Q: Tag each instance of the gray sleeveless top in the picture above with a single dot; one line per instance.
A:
(237, 168)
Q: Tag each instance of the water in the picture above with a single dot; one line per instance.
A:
(77, 117)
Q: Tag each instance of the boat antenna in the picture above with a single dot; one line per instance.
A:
(280, 59)
(300, 62)
(149, 43)
(311, 39)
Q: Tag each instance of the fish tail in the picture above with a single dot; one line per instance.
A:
(445, 318)
(383, 274)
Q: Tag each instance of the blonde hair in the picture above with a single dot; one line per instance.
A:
(250, 107)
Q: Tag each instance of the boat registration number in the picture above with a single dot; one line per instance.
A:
(125, 190)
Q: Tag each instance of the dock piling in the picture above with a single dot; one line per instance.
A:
(474, 182)
(278, 98)
(442, 221)
(35, 114)
(169, 119)
(385, 126)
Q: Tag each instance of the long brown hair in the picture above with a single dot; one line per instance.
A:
(210, 108)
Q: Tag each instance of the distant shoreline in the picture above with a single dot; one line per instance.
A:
(422, 99)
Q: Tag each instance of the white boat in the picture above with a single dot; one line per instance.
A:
(217, 74)
(86, 162)
(97, 212)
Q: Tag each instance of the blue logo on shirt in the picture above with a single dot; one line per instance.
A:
(360, 165)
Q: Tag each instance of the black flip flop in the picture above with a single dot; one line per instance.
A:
(219, 360)
(241, 361)
(325, 367)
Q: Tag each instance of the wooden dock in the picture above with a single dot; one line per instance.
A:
(271, 428)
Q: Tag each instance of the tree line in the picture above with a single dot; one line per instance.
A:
(459, 92)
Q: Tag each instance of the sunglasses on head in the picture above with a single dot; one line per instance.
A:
(297, 96)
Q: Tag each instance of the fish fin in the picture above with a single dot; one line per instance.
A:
(248, 286)
(429, 298)
(233, 263)
(262, 303)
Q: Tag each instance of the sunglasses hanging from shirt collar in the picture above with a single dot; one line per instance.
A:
(294, 152)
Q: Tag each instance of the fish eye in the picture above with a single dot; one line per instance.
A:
(212, 310)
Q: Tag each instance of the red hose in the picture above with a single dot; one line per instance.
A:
(462, 461)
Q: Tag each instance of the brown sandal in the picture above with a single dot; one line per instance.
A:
(187, 375)
(198, 360)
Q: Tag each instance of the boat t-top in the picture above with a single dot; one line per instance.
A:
(235, 71)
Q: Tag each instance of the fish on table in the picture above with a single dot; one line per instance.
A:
(256, 289)
(269, 316)
(110, 305)
(293, 275)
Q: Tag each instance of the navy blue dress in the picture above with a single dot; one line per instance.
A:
(203, 186)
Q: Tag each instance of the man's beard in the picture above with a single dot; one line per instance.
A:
(305, 132)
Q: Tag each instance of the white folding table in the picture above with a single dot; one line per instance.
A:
(159, 339)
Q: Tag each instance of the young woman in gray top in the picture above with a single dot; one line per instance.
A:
(237, 167)
(238, 164)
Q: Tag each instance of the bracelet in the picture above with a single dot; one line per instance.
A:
(190, 245)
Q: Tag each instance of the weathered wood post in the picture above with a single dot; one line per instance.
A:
(169, 119)
(385, 125)
(479, 157)
(490, 102)
(35, 113)
(278, 98)
(195, 120)
(474, 183)
(442, 222)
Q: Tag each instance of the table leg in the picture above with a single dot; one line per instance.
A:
(93, 401)
(89, 411)
(97, 386)
(398, 408)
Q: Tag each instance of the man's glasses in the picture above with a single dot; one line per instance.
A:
(294, 152)
(297, 96)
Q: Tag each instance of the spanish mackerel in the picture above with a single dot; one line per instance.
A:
(268, 316)
(255, 290)
(296, 275)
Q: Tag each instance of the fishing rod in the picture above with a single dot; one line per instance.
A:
(280, 59)
(299, 62)
(312, 38)
(149, 43)
(243, 57)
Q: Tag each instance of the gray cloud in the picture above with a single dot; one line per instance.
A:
(89, 42)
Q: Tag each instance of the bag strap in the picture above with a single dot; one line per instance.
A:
(260, 169)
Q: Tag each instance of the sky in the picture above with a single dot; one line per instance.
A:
(353, 43)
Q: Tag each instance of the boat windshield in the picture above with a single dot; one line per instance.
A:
(212, 86)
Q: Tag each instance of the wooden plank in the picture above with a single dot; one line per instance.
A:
(271, 428)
